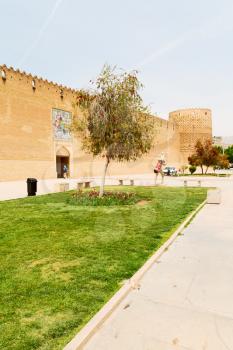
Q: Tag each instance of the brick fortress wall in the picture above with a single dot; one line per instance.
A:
(28, 147)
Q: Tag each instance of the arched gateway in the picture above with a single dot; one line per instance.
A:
(62, 158)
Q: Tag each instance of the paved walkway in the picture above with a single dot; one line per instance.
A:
(18, 189)
(185, 301)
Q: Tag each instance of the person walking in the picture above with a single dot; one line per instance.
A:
(65, 171)
(159, 170)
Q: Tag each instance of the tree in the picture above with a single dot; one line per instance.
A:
(192, 169)
(223, 162)
(205, 155)
(229, 153)
(114, 123)
(220, 149)
(183, 168)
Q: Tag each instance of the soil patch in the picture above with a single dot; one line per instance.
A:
(143, 202)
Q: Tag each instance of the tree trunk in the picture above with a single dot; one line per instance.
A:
(206, 169)
(202, 169)
(101, 193)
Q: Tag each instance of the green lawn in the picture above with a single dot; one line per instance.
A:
(60, 263)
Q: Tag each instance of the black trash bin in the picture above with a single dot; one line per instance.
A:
(31, 186)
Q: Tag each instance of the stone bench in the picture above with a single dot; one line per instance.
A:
(129, 181)
(62, 187)
(83, 184)
(198, 181)
(214, 196)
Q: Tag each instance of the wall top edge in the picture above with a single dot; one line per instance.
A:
(35, 77)
(183, 110)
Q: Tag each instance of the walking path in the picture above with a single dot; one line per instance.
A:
(18, 189)
(185, 301)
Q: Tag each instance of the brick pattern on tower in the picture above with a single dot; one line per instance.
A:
(193, 124)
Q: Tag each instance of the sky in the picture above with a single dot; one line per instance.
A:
(183, 49)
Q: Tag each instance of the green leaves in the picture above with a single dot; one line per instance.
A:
(229, 153)
(115, 123)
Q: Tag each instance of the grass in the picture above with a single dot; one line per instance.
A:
(208, 174)
(59, 262)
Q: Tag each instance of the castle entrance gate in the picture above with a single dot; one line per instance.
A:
(62, 159)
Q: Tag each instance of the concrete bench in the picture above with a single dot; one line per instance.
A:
(83, 184)
(62, 187)
(121, 182)
(192, 180)
(214, 196)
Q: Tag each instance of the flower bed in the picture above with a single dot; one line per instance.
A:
(109, 198)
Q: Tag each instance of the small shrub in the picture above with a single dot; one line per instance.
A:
(92, 198)
(183, 168)
(192, 169)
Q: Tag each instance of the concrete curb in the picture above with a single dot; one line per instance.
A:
(79, 341)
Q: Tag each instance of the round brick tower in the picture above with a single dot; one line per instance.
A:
(193, 124)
